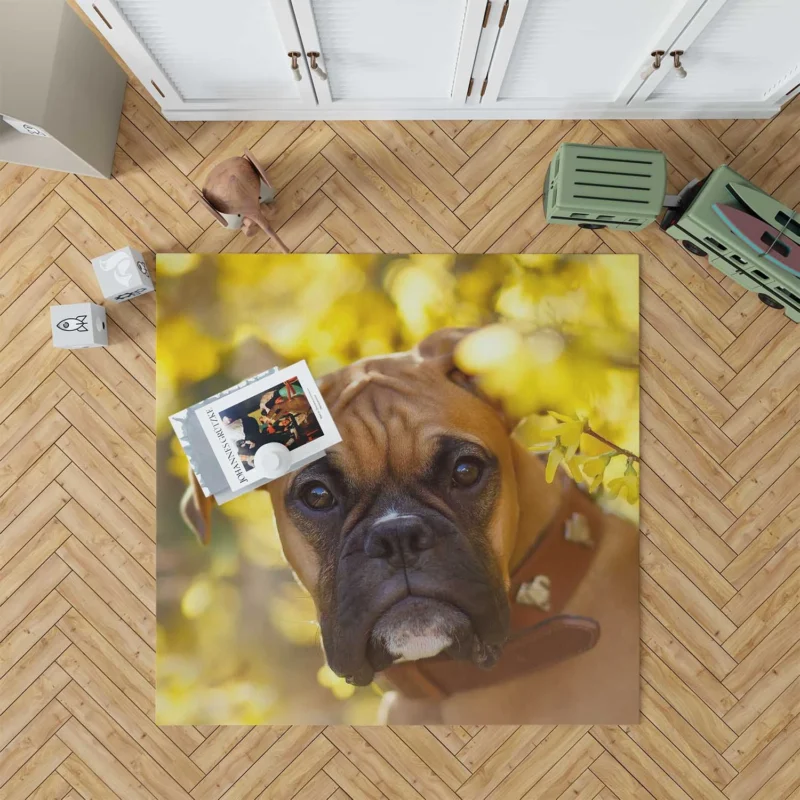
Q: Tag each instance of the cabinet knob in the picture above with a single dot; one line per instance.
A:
(676, 60)
(317, 70)
(651, 68)
(296, 74)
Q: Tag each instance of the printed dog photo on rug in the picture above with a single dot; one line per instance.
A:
(468, 553)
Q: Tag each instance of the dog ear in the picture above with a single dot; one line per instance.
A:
(441, 345)
(196, 509)
(439, 349)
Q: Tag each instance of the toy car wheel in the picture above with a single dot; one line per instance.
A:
(769, 301)
(693, 248)
(592, 226)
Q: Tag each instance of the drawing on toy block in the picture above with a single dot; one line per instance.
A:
(122, 275)
(78, 325)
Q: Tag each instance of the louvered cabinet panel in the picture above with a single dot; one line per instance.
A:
(582, 50)
(431, 59)
(746, 52)
(414, 52)
(230, 54)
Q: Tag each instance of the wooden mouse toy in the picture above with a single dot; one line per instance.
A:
(234, 192)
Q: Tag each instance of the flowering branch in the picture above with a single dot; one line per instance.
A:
(620, 450)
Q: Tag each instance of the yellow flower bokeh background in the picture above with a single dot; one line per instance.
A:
(556, 341)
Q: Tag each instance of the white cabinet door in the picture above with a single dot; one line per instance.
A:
(217, 56)
(578, 54)
(391, 54)
(736, 51)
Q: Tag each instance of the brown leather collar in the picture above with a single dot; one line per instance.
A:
(540, 634)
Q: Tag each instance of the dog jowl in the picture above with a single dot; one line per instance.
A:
(400, 532)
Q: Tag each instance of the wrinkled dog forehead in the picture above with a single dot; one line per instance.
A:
(392, 412)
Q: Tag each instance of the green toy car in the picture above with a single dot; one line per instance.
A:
(605, 187)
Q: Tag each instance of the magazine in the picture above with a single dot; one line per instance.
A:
(222, 435)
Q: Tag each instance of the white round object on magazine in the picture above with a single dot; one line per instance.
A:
(273, 459)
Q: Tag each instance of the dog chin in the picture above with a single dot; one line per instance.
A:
(416, 627)
(419, 627)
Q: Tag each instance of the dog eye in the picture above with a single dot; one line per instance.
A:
(467, 471)
(317, 496)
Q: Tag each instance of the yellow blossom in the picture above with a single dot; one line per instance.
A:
(594, 469)
(628, 484)
(569, 434)
(553, 460)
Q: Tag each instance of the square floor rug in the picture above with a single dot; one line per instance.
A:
(467, 553)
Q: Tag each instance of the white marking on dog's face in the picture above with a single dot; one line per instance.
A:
(413, 640)
(390, 516)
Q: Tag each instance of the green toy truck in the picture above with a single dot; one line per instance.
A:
(609, 187)
(699, 228)
(605, 187)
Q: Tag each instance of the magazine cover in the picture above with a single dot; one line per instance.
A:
(224, 435)
(456, 541)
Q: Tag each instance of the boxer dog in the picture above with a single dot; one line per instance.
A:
(407, 533)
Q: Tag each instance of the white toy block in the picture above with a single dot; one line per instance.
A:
(78, 325)
(122, 274)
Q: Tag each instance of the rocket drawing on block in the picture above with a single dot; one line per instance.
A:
(77, 324)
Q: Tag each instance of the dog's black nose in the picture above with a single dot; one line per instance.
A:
(399, 540)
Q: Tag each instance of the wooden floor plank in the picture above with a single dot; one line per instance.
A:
(84, 782)
(95, 647)
(146, 155)
(209, 135)
(36, 770)
(408, 213)
(30, 629)
(109, 625)
(12, 176)
(685, 682)
(102, 766)
(298, 154)
(429, 171)
(683, 736)
(720, 514)
(158, 203)
(240, 756)
(764, 400)
(159, 131)
(437, 143)
(30, 267)
(109, 516)
(26, 198)
(476, 133)
(28, 522)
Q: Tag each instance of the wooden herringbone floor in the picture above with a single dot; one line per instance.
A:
(720, 546)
